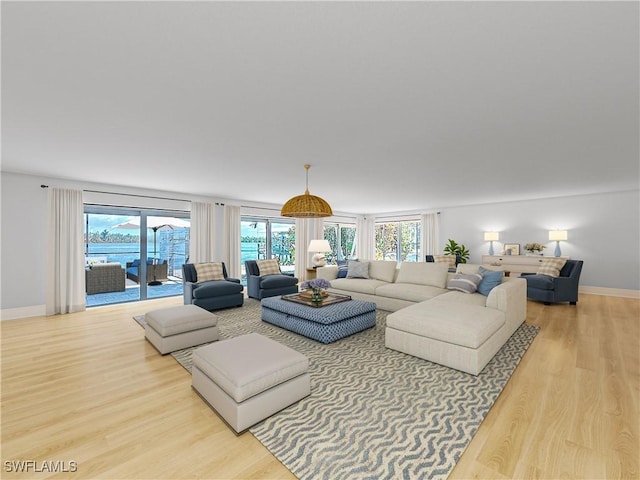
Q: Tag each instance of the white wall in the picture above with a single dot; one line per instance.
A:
(603, 230)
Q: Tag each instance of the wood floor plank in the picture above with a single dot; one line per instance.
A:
(87, 387)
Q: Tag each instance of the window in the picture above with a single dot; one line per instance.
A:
(399, 241)
(263, 238)
(341, 237)
(151, 258)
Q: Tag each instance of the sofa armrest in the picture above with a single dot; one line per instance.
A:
(510, 297)
(328, 272)
(187, 292)
(234, 280)
(253, 286)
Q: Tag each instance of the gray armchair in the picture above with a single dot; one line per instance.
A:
(263, 286)
(564, 288)
(211, 294)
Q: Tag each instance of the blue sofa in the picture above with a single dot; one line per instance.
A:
(212, 294)
(548, 290)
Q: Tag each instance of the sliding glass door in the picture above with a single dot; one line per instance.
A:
(150, 247)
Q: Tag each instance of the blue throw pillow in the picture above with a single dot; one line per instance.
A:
(343, 267)
(136, 262)
(490, 280)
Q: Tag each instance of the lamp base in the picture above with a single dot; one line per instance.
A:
(557, 252)
(491, 248)
(318, 260)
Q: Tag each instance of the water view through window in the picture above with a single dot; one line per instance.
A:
(149, 250)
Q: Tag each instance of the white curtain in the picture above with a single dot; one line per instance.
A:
(232, 254)
(65, 285)
(307, 229)
(365, 238)
(430, 232)
(202, 241)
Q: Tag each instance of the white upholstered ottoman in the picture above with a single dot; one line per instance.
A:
(249, 378)
(175, 328)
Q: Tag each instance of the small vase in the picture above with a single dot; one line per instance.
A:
(316, 296)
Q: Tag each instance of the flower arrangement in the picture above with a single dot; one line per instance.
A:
(534, 247)
(315, 284)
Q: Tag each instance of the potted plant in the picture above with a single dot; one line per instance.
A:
(459, 250)
(534, 248)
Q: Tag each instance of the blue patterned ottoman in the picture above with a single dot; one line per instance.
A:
(324, 324)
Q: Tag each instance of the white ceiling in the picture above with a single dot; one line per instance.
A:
(396, 105)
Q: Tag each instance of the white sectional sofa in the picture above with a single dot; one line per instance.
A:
(459, 330)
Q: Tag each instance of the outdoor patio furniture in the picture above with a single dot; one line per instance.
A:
(104, 278)
(157, 272)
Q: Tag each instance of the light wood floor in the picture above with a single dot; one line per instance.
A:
(87, 388)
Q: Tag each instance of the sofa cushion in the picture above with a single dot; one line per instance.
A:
(209, 271)
(490, 280)
(410, 292)
(465, 283)
(358, 269)
(277, 281)
(551, 266)
(384, 270)
(542, 282)
(456, 323)
(459, 297)
(358, 285)
(268, 267)
(423, 273)
(216, 288)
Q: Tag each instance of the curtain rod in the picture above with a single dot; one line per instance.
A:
(178, 199)
(134, 195)
(414, 215)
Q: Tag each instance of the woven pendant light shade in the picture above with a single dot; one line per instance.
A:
(306, 205)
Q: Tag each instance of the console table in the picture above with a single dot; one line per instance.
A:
(516, 264)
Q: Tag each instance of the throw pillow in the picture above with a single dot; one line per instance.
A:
(343, 267)
(466, 283)
(490, 280)
(450, 259)
(551, 267)
(209, 271)
(268, 267)
(358, 270)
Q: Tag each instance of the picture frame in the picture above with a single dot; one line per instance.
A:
(514, 248)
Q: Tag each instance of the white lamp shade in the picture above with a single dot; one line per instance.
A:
(557, 235)
(491, 236)
(319, 246)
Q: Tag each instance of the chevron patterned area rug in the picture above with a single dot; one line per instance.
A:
(374, 412)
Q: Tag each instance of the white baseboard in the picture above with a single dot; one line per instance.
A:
(23, 312)
(610, 292)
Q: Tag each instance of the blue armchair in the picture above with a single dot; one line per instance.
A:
(564, 288)
(268, 285)
(212, 294)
